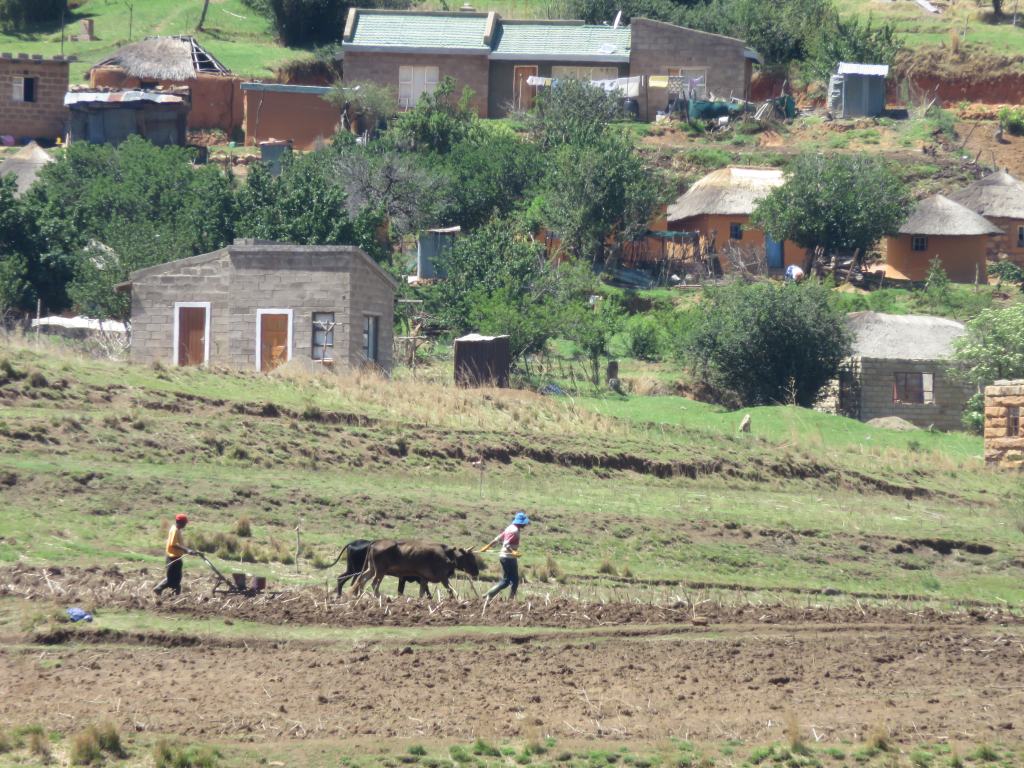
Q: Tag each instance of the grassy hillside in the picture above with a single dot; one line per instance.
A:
(233, 32)
(95, 457)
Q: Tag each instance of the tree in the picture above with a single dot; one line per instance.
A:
(992, 347)
(438, 122)
(305, 22)
(15, 15)
(591, 327)
(202, 15)
(770, 343)
(842, 203)
(572, 112)
(851, 40)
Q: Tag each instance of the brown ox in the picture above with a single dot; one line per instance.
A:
(427, 562)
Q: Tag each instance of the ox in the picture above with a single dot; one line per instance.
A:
(426, 562)
(356, 561)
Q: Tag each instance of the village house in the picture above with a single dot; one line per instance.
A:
(32, 96)
(167, 62)
(899, 367)
(940, 228)
(257, 305)
(999, 197)
(413, 51)
(719, 207)
(1004, 427)
(25, 165)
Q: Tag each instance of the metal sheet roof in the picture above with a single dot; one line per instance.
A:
(435, 30)
(875, 70)
(552, 40)
(120, 97)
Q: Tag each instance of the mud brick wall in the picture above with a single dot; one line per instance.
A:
(1001, 448)
(382, 68)
(44, 118)
(876, 393)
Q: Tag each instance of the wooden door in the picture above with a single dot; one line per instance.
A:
(191, 335)
(522, 93)
(273, 341)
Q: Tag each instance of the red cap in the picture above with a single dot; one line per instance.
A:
(181, 518)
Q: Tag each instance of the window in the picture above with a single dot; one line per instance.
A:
(585, 73)
(735, 231)
(323, 336)
(149, 85)
(694, 80)
(1013, 426)
(1020, 237)
(913, 389)
(24, 89)
(413, 82)
(919, 243)
(370, 325)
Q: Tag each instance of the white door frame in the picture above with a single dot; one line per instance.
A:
(206, 330)
(259, 333)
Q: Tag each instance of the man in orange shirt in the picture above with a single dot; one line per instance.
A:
(176, 550)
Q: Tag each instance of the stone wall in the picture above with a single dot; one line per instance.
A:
(1002, 448)
(44, 118)
(382, 68)
(876, 380)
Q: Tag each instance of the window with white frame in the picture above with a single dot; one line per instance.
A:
(584, 73)
(371, 324)
(919, 243)
(24, 89)
(323, 336)
(695, 80)
(413, 82)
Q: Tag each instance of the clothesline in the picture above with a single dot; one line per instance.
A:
(628, 87)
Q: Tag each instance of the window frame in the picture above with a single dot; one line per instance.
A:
(260, 312)
(371, 322)
(328, 334)
(1013, 422)
(409, 84)
(916, 240)
(903, 388)
(735, 230)
(19, 91)
(207, 330)
(691, 73)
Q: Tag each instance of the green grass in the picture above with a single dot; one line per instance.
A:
(241, 39)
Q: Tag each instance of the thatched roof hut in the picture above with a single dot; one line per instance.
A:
(904, 337)
(727, 191)
(938, 216)
(25, 164)
(998, 195)
(165, 58)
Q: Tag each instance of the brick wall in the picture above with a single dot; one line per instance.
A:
(44, 118)
(1001, 448)
(240, 279)
(382, 68)
(656, 46)
(1008, 242)
(876, 393)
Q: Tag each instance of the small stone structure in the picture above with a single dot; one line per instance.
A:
(1004, 425)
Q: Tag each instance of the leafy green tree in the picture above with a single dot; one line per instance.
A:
(591, 327)
(524, 316)
(840, 202)
(15, 15)
(438, 122)
(305, 22)
(852, 40)
(992, 347)
(16, 245)
(770, 343)
(572, 112)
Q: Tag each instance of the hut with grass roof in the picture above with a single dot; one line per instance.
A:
(999, 197)
(940, 228)
(25, 165)
(165, 62)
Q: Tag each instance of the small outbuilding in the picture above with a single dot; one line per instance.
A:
(940, 228)
(258, 304)
(25, 165)
(719, 207)
(110, 117)
(899, 368)
(32, 95)
(999, 197)
(1004, 428)
(857, 90)
(482, 361)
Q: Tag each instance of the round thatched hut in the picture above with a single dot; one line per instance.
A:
(999, 197)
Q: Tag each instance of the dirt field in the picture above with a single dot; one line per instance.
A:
(638, 672)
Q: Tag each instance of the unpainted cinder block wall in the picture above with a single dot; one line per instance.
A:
(44, 118)
(877, 377)
(1002, 448)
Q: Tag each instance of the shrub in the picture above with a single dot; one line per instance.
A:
(973, 417)
(460, 754)
(167, 755)
(643, 333)
(109, 739)
(607, 568)
(418, 749)
(985, 754)
(85, 748)
(243, 527)
(38, 744)
(1007, 272)
(1011, 120)
(6, 742)
(483, 749)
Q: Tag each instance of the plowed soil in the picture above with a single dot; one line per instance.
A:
(627, 670)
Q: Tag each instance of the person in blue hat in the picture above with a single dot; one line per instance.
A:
(509, 556)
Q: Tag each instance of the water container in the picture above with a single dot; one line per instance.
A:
(632, 108)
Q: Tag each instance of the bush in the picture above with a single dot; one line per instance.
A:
(770, 343)
(85, 748)
(973, 417)
(167, 755)
(305, 22)
(1007, 272)
(243, 527)
(16, 14)
(643, 333)
(1011, 120)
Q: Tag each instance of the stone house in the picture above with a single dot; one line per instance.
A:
(32, 96)
(1004, 427)
(719, 206)
(899, 367)
(256, 305)
(999, 197)
(412, 51)
(943, 229)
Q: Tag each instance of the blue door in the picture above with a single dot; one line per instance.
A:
(773, 252)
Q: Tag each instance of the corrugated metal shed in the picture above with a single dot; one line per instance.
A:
(482, 361)
(524, 40)
(857, 90)
(440, 30)
(121, 97)
(872, 70)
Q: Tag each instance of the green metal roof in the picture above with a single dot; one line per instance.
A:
(462, 31)
(540, 40)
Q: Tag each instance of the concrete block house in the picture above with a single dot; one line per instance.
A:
(256, 305)
(412, 51)
(32, 96)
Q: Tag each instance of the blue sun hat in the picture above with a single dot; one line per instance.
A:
(520, 518)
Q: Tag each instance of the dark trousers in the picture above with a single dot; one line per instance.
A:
(510, 577)
(173, 578)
